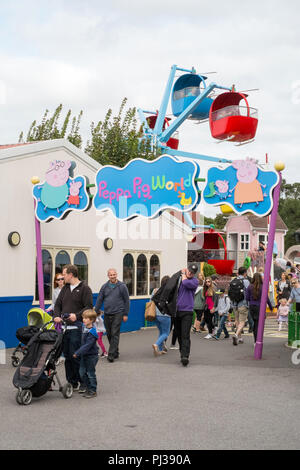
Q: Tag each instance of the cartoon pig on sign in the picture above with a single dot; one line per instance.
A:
(247, 189)
(55, 190)
(223, 189)
(74, 193)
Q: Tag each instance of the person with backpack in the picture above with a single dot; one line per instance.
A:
(236, 293)
(223, 308)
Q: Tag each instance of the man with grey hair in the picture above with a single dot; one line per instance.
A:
(115, 297)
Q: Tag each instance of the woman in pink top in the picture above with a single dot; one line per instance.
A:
(210, 297)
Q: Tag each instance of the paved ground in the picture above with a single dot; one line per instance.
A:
(223, 400)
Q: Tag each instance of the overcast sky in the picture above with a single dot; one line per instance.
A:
(90, 54)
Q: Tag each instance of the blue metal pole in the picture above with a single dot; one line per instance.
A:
(164, 137)
(195, 156)
(164, 104)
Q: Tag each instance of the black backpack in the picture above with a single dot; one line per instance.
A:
(236, 290)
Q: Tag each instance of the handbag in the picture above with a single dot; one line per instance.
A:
(150, 311)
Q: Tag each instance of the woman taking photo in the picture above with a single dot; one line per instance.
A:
(253, 297)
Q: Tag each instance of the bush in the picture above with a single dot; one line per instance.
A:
(208, 270)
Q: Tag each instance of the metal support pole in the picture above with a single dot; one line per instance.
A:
(39, 261)
(265, 287)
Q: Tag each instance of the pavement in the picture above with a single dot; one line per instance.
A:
(224, 399)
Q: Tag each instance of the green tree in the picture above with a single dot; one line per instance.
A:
(49, 128)
(116, 140)
(289, 210)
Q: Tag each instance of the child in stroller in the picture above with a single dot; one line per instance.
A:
(36, 318)
(35, 374)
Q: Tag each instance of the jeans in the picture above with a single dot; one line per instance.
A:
(87, 371)
(222, 326)
(254, 312)
(163, 323)
(72, 342)
(250, 321)
(112, 325)
(183, 324)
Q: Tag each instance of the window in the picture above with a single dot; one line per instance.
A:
(59, 257)
(263, 239)
(80, 260)
(154, 273)
(47, 273)
(141, 275)
(62, 258)
(141, 272)
(128, 273)
(245, 245)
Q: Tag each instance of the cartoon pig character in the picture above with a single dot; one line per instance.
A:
(55, 190)
(223, 189)
(74, 189)
(247, 189)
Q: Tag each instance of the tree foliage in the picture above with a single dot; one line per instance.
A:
(49, 128)
(114, 141)
(289, 210)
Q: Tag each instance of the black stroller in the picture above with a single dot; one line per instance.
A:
(35, 374)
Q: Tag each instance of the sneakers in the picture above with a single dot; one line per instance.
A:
(82, 389)
(76, 387)
(209, 336)
(184, 361)
(174, 347)
(90, 394)
(235, 340)
(216, 337)
(226, 337)
(103, 355)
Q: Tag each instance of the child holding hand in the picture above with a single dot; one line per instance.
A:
(88, 353)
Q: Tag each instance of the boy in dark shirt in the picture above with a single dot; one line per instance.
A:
(88, 353)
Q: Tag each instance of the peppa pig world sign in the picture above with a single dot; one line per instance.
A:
(60, 193)
(146, 188)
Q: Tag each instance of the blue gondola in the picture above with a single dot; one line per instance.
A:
(185, 90)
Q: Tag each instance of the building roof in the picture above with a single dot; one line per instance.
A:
(8, 146)
(262, 222)
(10, 152)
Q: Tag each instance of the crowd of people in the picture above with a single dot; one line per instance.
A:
(180, 298)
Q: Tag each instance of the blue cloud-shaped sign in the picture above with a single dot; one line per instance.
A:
(243, 185)
(146, 188)
(55, 202)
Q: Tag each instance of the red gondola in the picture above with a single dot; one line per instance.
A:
(230, 121)
(173, 142)
(209, 243)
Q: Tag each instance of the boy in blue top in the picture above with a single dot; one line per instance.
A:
(88, 353)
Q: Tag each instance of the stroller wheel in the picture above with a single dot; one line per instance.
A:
(25, 397)
(18, 398)
(67, 390)
(15, 361)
